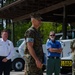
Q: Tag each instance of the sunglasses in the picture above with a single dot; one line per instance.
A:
(52, 35)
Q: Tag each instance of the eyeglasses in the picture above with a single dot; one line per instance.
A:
(52, 35)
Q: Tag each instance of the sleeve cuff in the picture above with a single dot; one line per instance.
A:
(7, 58)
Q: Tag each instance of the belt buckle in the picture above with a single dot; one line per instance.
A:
(54, 57)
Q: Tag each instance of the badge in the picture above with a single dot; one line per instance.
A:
(8, 44)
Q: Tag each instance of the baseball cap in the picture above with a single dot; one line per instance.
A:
(36, 16)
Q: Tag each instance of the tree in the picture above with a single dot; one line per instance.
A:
(19, 29)
(46, 27)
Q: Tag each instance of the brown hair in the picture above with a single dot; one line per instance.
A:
(5, 30)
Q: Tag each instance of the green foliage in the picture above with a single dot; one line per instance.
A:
(8, 2)
(46, 27)
(20, 29)
(59, 27)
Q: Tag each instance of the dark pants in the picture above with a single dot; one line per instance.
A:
(5, 66)
(53, 66)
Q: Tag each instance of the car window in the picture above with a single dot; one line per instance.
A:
(70, 35)
(58, 37)
(19, 43)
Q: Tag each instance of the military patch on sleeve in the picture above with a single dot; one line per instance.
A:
(29, 40)
(72, 44)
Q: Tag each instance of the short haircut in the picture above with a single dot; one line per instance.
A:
(5, 30)
(52, 32)
(36, 16)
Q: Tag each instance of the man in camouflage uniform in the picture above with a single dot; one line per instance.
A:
(73, 56)
(72, 46)
(34, 51)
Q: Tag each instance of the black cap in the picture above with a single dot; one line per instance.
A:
(36, 16)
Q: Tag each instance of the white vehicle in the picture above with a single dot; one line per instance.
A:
(66, 57)
(66, 61)
(66, 47)
(66, 64)
(18, 61)
(21, 48)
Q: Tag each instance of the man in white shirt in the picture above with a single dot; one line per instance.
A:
(6, 53)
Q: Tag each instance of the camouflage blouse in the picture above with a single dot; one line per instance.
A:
(37, 42)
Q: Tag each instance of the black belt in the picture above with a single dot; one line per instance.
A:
(3, 56)
(53, 57)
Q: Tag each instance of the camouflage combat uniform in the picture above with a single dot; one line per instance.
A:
(73, 56)
(30, 65)
(72, 46)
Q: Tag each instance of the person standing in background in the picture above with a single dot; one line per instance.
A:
(6, 53)
(72, 46)
(54, 50)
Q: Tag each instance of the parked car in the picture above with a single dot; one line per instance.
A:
(66, 57)
(66, 64)
(18, 61)
(21, 50)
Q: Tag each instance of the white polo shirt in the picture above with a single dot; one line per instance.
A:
(6, 48)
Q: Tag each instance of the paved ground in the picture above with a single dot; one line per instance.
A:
(17, 73)
(22, 73)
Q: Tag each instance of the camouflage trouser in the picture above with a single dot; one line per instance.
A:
(31, 68)
(73, 68)
(32, 71)
(73, 64)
